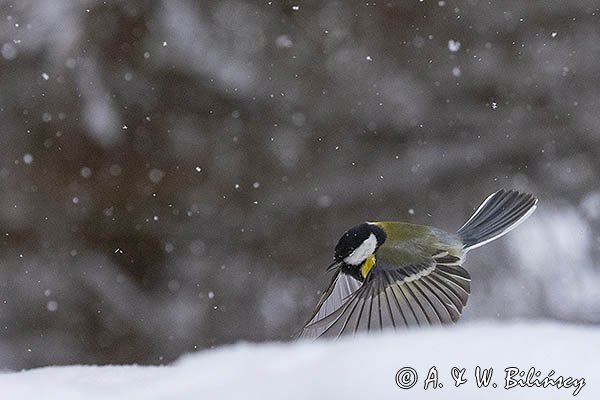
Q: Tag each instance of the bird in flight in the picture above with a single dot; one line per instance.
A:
(394, 275)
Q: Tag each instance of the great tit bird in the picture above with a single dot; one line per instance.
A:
(398, 275)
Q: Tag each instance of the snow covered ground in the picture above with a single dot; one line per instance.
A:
(359, 368)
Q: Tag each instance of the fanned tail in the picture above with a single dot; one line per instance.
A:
(500, 213)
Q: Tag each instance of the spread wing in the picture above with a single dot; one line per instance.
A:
(392, 296)
(340, 289)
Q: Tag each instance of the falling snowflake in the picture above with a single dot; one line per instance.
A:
(453, 45)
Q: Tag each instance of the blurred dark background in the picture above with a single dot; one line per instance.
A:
(174, 175)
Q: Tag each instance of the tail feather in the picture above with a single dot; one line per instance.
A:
(500, 213)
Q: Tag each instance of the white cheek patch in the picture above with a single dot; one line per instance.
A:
(360, 254)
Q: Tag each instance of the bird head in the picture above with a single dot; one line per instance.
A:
(356, 245)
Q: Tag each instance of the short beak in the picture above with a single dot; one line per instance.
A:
(334, 265)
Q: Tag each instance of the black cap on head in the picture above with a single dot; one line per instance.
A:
(354, 237)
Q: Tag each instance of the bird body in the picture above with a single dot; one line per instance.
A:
(411, 243)
(391, 275)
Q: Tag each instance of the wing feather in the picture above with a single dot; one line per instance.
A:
(339, 324)
(451, 289)
(387, 315)
(438, 306)
(392, 297)
(411, 316)
(340, 289)
(364, 318)
(450, 305)
(414, 305)
(390, 291)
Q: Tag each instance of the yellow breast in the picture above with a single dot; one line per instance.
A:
(367, 266)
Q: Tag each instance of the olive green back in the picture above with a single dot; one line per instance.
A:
(408, 244)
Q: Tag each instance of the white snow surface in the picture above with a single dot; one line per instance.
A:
(357, 368)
